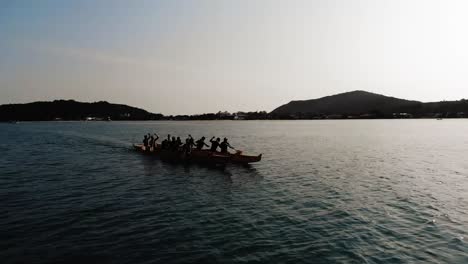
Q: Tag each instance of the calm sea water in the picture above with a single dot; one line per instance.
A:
(377, 191)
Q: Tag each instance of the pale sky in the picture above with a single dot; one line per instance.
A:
(199, 56)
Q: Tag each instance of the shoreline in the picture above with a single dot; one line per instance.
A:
(228, 120)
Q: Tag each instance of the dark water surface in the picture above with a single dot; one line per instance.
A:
(383, 191)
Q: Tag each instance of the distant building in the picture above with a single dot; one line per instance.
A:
(402, 115)
(92, 118)
(240, 116)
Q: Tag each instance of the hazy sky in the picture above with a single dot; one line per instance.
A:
(203, 56)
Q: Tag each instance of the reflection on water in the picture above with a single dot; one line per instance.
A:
(228, 172)
(326, 191)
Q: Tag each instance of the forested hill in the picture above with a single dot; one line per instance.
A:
(357, 104)
(360, 102)
(72, 110)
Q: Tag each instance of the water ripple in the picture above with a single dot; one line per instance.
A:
(325, 192)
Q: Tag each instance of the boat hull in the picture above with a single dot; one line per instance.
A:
(198, 155)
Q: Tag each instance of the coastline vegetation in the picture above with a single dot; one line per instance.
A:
(352, 105)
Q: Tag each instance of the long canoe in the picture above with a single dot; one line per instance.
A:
(198, 155)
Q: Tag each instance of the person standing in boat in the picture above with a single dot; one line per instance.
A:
(224, 146)
(214, 144)
(187, 148)
(173, 145)
(154, 144)
(164, 144)
(178, 143)
(201, 143)
(189, 143)
(150, 142)
(168, 142)
(145, 141)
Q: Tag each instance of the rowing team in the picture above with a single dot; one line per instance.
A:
(175, 144)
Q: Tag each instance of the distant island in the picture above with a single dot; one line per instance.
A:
(350, 105)
(73, 110)
(362, 104)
